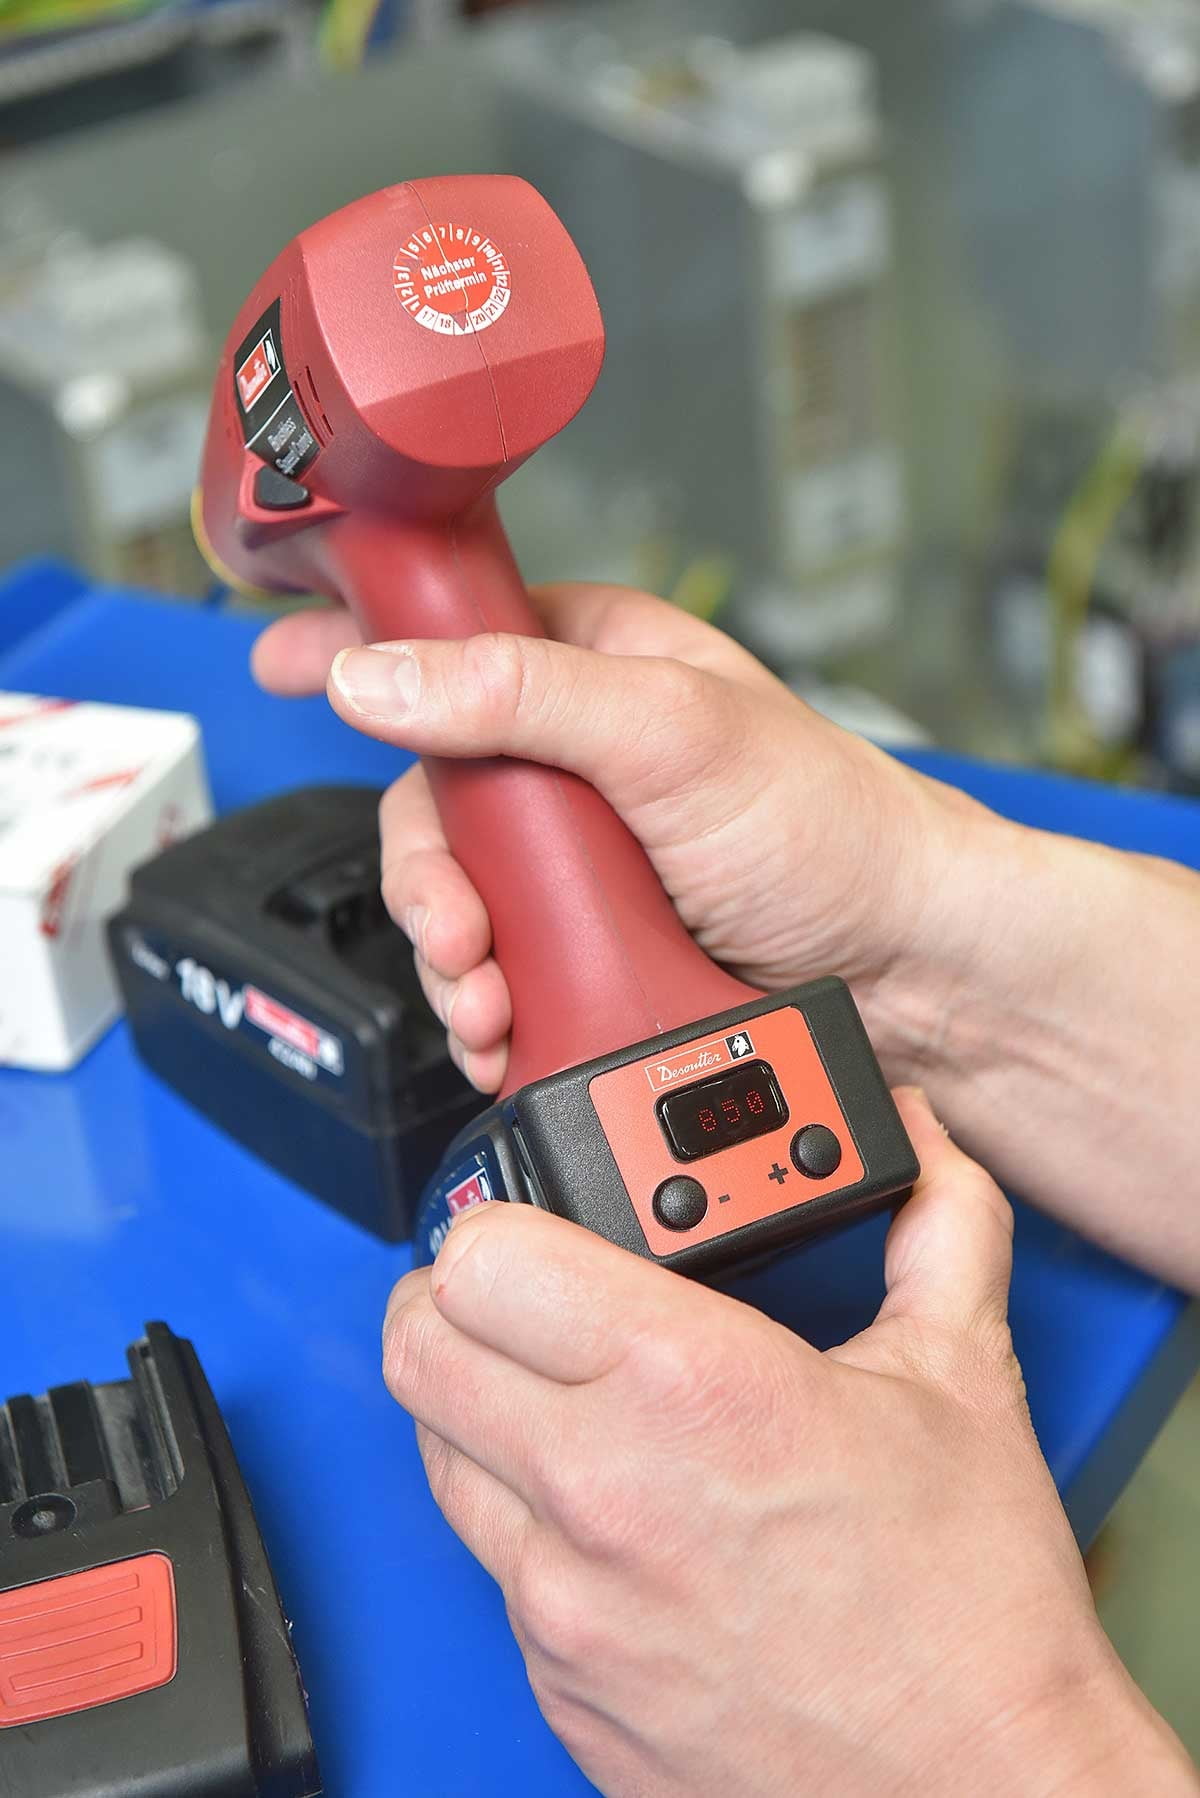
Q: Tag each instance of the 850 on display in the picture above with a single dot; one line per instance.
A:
(704, 1149)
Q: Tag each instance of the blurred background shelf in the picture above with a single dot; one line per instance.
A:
(114, 63)
(904, 311)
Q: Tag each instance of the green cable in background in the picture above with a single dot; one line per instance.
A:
(345, 31)
(1086, 527)
(27, 18)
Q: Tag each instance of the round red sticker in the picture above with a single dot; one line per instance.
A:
(452, 279)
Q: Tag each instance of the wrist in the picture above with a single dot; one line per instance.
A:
(1051, 1713)
(1038, 973)
(1000, 958)
(965, 871)
(1092, 1737)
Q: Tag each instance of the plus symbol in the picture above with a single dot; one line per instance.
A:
(778, 1174)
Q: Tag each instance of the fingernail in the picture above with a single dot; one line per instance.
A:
(931, 1109)
(379, 683)
(462, 1058)
(416, 918)
(486, 1205)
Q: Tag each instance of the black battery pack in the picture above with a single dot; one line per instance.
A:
(144, 1652)
(265, 982)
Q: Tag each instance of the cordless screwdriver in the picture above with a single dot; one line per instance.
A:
(396, 363)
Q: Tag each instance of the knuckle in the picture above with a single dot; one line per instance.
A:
(680, 1370)
(563, 1714)
(663, 1367)
(688, 686)
(407, 1286)
(445, 1471)
(565, 1491)
(699, 726)
(495, 668)
(571, 1717)
(408, 1348)
(550, 1611)
(688, 1377)
(687, 696)
(436, 1458)
(405, 875)
(598, 1509)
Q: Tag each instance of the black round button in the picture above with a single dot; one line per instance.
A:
(816, 1151)
(680, 1203)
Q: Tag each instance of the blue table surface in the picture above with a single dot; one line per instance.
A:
(119, 1204)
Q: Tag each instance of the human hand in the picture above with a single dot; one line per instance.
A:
(736, 1566)
(790, 848)
(988, 960)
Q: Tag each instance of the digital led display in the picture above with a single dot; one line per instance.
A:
(715, 1114)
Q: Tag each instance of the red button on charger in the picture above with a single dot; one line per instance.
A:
(86, 1638)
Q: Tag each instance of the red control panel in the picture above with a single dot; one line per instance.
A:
(726, 1131)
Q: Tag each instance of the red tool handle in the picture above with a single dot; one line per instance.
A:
(593, 950)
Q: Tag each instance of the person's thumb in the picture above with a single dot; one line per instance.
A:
(634, 726)
(949, 1253)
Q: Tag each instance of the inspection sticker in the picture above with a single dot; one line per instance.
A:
(452, 279)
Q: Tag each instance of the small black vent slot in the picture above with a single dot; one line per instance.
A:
(312, 385)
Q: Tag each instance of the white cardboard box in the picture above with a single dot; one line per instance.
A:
(86, 793)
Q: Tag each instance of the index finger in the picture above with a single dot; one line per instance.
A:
(292, 656)
(560, 1300)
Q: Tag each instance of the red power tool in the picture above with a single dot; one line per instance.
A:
(395, 363)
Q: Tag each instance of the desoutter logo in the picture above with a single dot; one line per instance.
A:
(452, 279)
(698, 1058)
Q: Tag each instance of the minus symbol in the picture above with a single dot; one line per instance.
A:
(723, 1199)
